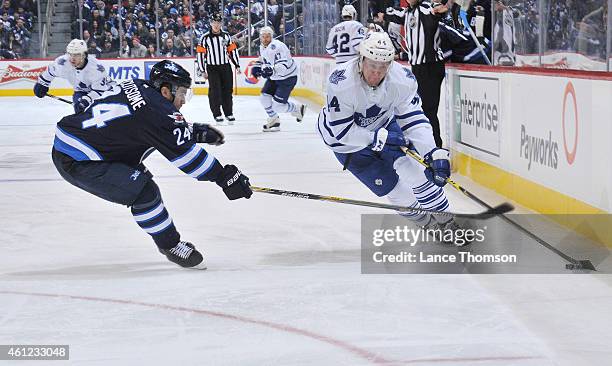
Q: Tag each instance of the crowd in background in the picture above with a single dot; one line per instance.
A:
(16, 22)
(169, 28)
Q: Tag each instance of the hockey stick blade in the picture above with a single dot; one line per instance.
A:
(494, 211)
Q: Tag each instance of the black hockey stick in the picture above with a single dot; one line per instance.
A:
(573, 263)
(58, 98)
(493, 211)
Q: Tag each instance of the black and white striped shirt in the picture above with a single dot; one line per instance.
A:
(216, 49)
(422, 34)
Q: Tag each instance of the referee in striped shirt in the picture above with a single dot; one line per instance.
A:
(214, 53)
(425, 55)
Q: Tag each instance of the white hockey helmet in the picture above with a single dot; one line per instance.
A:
(377, 46)
(76, 46)
(266, 30)
(349, 11)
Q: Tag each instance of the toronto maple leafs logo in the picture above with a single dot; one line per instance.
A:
(273, 46)
(372, 115)
(61, 61)
(100, 68)
(337, 76)
(409, 73)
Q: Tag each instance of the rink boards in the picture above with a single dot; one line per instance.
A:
(541, 138)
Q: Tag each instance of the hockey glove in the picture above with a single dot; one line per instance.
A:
(384, 137)
(256, 70)
(40, 90)
(83, 103)
(267, 71)
(205, 133)
(438, 166)
(235, 184)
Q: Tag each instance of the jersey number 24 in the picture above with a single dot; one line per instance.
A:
(105, 112)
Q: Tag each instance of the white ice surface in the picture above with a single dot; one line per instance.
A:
(283, 286)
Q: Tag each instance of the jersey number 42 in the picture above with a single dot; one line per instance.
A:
(343, 46)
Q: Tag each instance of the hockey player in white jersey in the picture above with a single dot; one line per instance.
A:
(372, 110)
(86, 74)
(344, 38)
(278, 67)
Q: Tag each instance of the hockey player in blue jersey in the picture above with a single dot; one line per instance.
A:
(102, 150)
(86, 74)
(373, 109)
(278, 67)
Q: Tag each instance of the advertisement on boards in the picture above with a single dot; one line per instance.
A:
(477, 114)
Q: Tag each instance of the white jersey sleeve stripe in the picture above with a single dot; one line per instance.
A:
(187, 157)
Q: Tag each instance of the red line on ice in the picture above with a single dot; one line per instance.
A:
(357, 351)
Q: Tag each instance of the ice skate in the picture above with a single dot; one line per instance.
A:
(449, 232)
(219, 120)
(299, 112)
(230, 119)
(185, 255)
(273, 124)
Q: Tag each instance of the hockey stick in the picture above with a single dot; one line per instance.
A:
(573, 263)
(310, 196)
(463, 16)
(58, 98)
(504, 207)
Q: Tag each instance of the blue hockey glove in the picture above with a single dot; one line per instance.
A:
(267, 71)
(205, 133)
(40, 90)
(384, 137)
(438, 170)
(84, 102)
(256, 71)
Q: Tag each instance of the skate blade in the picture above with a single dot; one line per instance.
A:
(273, 129)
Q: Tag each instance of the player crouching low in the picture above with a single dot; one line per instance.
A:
(101, 151)
(277, 66)
(373, 110)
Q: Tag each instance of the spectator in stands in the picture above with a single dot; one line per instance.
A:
(168, 50)
(151, 52)
(124, 51)
(151, 37)
(138, 50)
(186, 18)
(14, 45)
(108, 51)
(23, 35)
(93, 49)
(130, 29)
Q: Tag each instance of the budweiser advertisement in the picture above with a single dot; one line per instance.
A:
(14, 73)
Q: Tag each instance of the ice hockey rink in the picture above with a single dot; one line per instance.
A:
(284, 283)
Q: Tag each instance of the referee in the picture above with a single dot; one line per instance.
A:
(425, 55)
(214, 53)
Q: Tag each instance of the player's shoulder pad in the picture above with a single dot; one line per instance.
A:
(402, 76)
(343, 77)
(61, 60)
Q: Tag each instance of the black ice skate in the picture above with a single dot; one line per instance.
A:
(272, 125)
(230, 119)
(219, 120)
(185, 255)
